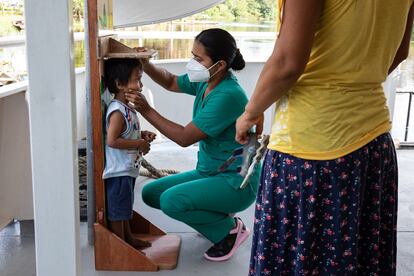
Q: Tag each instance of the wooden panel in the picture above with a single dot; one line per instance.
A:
(104, 45)
(112, 253)
(109, 47)
(137, 55)
(164, 250)
(140, 225)
(118, 47)
(4, 221)
(97, 132)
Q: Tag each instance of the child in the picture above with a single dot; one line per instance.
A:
(125, 144)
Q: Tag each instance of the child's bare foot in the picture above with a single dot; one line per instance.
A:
(137, 243)
(117, 227)
(132, 239)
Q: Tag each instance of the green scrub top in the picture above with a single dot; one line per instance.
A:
(216, 116)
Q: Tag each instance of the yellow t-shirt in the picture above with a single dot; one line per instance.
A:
(338, 104)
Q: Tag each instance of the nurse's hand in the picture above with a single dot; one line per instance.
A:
(138, 102)
(144, 61)
(245, 123)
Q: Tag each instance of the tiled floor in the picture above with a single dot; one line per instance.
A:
(17, 250)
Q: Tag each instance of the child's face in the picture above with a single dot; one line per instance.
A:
(134, 82)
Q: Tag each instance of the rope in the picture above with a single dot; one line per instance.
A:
(263, 146)
(256, 159)
(149, 170)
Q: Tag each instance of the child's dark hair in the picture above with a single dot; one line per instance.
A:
(119, 69)
(220, 45)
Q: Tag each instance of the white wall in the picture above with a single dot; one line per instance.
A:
(15, 166)
(16, 196)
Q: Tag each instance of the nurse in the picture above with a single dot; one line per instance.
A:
(203, 198)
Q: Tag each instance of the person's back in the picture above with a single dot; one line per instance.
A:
(356, 41)
(340, 91)
(327, 201)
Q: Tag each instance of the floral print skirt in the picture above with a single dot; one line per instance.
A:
(335, 217)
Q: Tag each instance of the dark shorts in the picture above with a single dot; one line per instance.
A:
(119, 197)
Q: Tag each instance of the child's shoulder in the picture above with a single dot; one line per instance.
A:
(125, 110)
(115, 105)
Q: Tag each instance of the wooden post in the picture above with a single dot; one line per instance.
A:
(97, 133)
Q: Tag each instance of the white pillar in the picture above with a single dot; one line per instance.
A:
(51, 96)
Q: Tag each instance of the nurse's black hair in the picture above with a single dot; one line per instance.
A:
(221, 45)
(119, 69)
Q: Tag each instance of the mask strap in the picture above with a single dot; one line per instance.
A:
(212, 67)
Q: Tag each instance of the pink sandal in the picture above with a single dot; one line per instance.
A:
(225, 249)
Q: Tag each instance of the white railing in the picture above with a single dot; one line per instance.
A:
(19, 40)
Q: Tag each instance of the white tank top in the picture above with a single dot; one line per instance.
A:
(123, 162)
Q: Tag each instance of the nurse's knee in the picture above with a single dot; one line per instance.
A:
(173, 205)
(150, 196)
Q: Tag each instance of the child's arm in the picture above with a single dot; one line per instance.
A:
(114, 139)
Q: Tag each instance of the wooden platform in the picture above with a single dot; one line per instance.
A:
(112, 253)
(164, 250)
(4, 221)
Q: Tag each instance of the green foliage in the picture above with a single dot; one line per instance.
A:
(77, 6)
(78, 25)
(220, 12)
(6, 25)
(412, 34)
(241, 11)
(228, 11)
(103, 19)
(267, 9)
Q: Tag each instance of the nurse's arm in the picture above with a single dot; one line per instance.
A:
(182, 135)
(162, 77)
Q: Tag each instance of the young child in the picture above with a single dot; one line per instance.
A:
(125, 144)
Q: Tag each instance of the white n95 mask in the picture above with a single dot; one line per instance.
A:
(198, 72)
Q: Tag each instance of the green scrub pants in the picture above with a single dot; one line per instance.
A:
(200, 201)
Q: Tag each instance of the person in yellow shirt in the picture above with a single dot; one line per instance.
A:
(327, 201)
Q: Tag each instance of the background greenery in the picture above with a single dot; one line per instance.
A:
(242, 11)
(230, 10)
